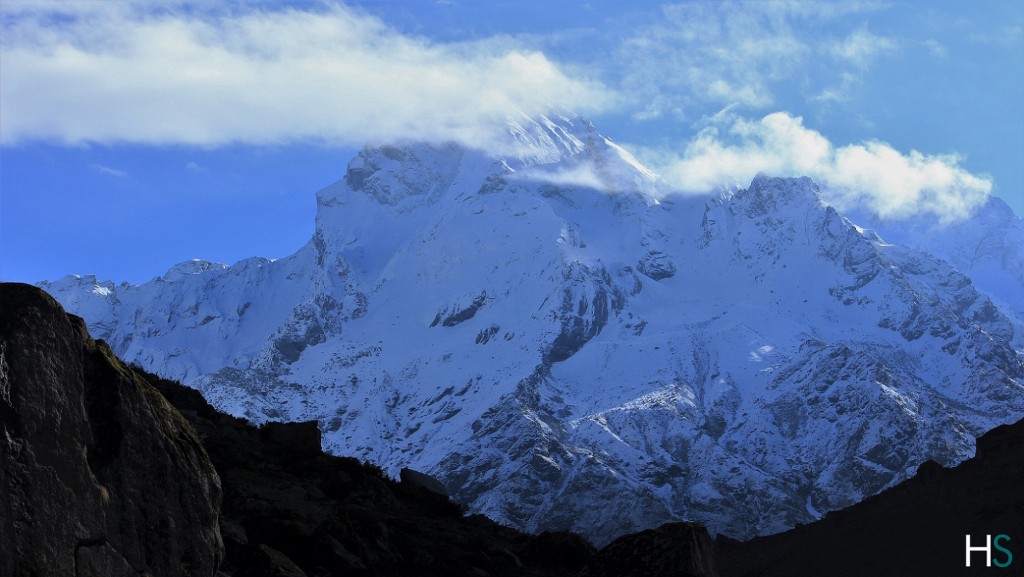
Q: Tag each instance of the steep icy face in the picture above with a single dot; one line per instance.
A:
(567, 345)
(988, 246)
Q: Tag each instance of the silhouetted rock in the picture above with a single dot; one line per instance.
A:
(561, 550)
(672, 550)
(422, 480)
(296, 441)
(265, 561)
(99, 474)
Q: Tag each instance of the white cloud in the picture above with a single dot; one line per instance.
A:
(730, 150)
(205, 74)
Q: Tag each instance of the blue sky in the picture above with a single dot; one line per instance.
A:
(135, 135)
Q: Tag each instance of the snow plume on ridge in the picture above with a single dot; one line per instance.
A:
(576, 155)
(613, 170)
(872, 175)
(200, 73)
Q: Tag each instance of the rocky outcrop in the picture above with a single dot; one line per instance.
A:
(657, 265)
(99, 474)
(457, 313)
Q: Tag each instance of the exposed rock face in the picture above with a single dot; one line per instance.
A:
(657, 265)
(99, 474)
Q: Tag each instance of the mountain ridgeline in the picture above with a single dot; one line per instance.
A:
(568, 345)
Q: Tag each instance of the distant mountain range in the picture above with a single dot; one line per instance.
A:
(567, 344)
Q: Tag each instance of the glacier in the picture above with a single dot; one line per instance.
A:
(567, 343)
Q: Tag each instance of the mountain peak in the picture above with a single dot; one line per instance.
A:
(190, 267)
(778, 198)
(783, 188)
(544, 139)
(391, 173)
(560, 151)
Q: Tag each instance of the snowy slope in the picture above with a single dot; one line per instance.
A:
(569, 345)
(988, 247)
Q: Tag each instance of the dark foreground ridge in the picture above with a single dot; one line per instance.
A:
(109, 471)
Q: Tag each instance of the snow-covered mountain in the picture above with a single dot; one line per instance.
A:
(569, 345)
(988, 247)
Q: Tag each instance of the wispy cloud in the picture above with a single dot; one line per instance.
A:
(861, 48)
(703, 54)
(731, 149)
(106, 170)
(855, 54)
(936, 48)
(1011, 34)
(205, 74)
